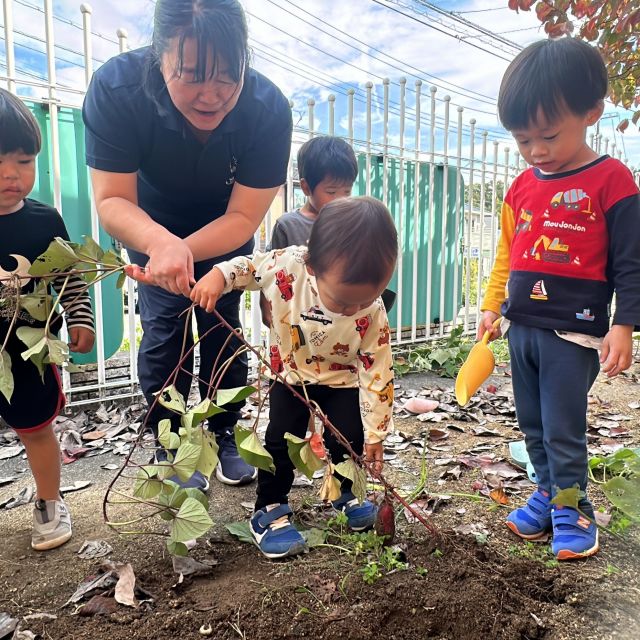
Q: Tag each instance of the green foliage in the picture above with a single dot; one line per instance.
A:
(535, 552)
(6, 377)
(251, 450)
(302, 455)
(62, 258)
(358, 476)
(366, 549)
(619, 477)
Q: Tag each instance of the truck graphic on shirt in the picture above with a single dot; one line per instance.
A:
(573, 200)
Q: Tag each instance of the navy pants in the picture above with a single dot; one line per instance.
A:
(287, 413)
(163, 333)
(551, 380)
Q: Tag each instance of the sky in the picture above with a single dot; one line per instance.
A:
(314, 48)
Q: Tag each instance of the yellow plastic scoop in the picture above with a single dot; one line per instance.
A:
(476, 369)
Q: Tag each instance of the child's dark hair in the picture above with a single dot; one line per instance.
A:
(19, 130)
(551, 76)
(327, 157)
(358, 232)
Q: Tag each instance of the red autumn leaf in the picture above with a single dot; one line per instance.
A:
(543, 10)
(513, 5)
(317, 445)
(623, 125)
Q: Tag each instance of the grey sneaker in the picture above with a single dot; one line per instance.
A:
(51, 524)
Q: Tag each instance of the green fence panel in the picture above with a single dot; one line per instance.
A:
(426, 226)
(76, 210)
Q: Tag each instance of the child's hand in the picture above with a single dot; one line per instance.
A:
(486, 324)
(616, 350)
(81, 339)
(208, 289)
(373, 454)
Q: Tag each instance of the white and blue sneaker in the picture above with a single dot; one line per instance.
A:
(360, 516)
(231, 468)
(275, 535)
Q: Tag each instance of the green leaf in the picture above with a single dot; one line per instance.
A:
(624, 494)
(31, 336)
(569, 497)
(199, 413)
(167, 438)
(349, 469)
(171, 398)
(191, 521)
(36, 349)
(122, 278)
(302, 456)
(59, 256)
(175, 496)
(186, 460)
(92, 249)
(177, 548)
(58, 351)
(252, 451)
(111, 259)
(36, 303)
(6, 377)
(240, 530)
(314, 537)
(147, 485)
(225, 396)
(208, 453)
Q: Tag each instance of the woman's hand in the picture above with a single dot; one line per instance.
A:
(617, 348)
(486, 324)
(374, 455)
(170, 266)
(208, 289)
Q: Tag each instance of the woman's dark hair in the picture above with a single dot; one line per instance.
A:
(551, 76)
(360, 234)
(217, 26)
(19, 129)
(327, 157)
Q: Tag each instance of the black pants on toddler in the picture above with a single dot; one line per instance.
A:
(288, 414)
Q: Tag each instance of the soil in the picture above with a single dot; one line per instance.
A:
(454, 587)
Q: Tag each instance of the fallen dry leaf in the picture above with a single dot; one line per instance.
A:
(498, 495)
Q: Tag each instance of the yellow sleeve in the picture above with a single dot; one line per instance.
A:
(496, 289)
(375, 373)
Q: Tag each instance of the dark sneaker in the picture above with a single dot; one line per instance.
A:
(275, 535)
(51, 524)
(533, 521)
(232, 469)
(197, 481)
(574, 536)
(360, 516)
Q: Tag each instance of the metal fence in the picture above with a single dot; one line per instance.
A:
(407, 138)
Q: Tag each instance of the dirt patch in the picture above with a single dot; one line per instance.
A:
(454, 586)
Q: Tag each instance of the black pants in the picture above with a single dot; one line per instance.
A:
(288, 414)
(163, 331)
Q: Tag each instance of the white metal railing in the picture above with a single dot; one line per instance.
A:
(438, 139)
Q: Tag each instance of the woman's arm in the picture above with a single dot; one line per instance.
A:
(170, 263)
(246, 209)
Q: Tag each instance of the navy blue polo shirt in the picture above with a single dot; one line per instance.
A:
(184, 184)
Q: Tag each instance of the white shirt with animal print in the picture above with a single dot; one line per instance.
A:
(311, 344)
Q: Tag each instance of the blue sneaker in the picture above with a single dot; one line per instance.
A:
(533, 521)
(360, 516)
(275, 535)
(574, 536)
(197, 481)
(231, 468)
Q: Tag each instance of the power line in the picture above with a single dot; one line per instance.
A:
(470, 24)
(339, 59)
(481, 10)
(420, 72)
(446, 33)
(66, 21)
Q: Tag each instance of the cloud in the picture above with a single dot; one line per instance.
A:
(312, 49)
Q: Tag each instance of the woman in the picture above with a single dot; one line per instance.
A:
(187, 147)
